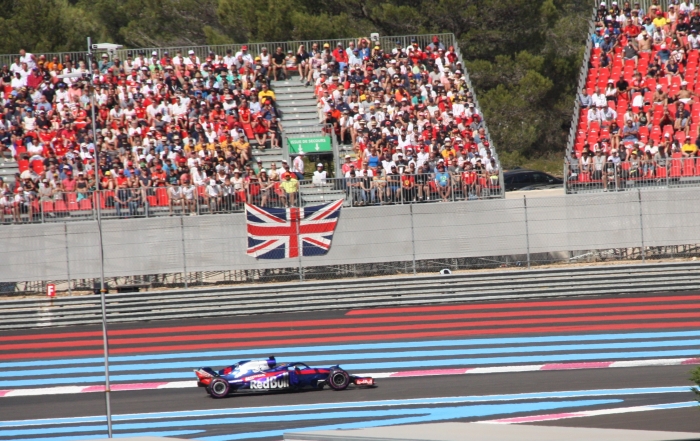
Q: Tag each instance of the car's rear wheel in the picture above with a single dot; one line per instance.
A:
(219, 388)
(338, 379)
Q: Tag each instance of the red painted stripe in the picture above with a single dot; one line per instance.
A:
(4, 392)
(338, 326)
(586, 365)
(282, 335)
(692, 361)
(522, 304)
(344, 322)
(357, 339)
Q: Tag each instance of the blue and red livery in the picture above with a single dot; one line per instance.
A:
(268, 375)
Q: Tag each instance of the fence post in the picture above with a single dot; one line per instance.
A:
(641, 223)
(65, 234)
(184, 255)
(413, 239)
(300, 243)
(527, 232)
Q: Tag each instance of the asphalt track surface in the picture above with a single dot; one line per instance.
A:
(585, 362)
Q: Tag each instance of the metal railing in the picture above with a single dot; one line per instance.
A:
(583, 73)
(335, 294)
(628, 175)
(191, 200)
(254, 48)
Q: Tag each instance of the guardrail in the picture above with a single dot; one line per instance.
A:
(675, 172)
(183, 200)
(370, 292)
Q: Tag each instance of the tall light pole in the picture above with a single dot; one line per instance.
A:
(110, 48)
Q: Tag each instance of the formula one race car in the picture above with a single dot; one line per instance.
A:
(268, 375)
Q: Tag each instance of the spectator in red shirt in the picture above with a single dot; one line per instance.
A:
(34, 79)
(69, 182)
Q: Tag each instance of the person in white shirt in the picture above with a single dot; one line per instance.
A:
(687, 7)
(598, 98)
(176, 197)
(229, 59)
(320, 175)
(18, 81)
(178, 59)
(192, 59)
(213, 192)
(26, 57)
(189, 192)
(243, 53)
(298, 166)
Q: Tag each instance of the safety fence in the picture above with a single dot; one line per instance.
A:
(671, 172)
(395, 239)
(182, 200)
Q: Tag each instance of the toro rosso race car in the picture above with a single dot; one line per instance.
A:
(268, 375)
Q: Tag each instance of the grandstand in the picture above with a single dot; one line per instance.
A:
(199, 130)
(636, 117)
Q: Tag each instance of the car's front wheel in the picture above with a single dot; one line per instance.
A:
(218, 388)
(338, 379)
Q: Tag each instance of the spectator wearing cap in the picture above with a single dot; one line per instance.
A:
(320, 176)
(684, 95)
(290, 189)
(689, 148)
(244, 55)
(192, 60)
(341, 56)
(435, 44)
(105, 63)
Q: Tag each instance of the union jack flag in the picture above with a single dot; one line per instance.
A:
(278, 233)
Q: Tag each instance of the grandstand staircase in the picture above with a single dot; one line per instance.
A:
(297, 104)
(8, 170)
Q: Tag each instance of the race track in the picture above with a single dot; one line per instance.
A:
(620, 362)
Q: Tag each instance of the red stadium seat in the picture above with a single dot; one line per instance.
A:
(162, 197)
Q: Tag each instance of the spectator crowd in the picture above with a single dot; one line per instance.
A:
(639, 117)
(410, 117)
(177, 131)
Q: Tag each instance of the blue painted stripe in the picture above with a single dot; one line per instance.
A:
(454, 412)
(243, 353)
(115, 435)
(345, 357)
(368, 367)
(676, 405)
(353, 405)
(432, 415)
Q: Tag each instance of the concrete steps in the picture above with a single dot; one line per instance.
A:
(8, 170)
(297, 104)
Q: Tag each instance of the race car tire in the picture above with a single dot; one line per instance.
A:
(338, 379)
(219, 388)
